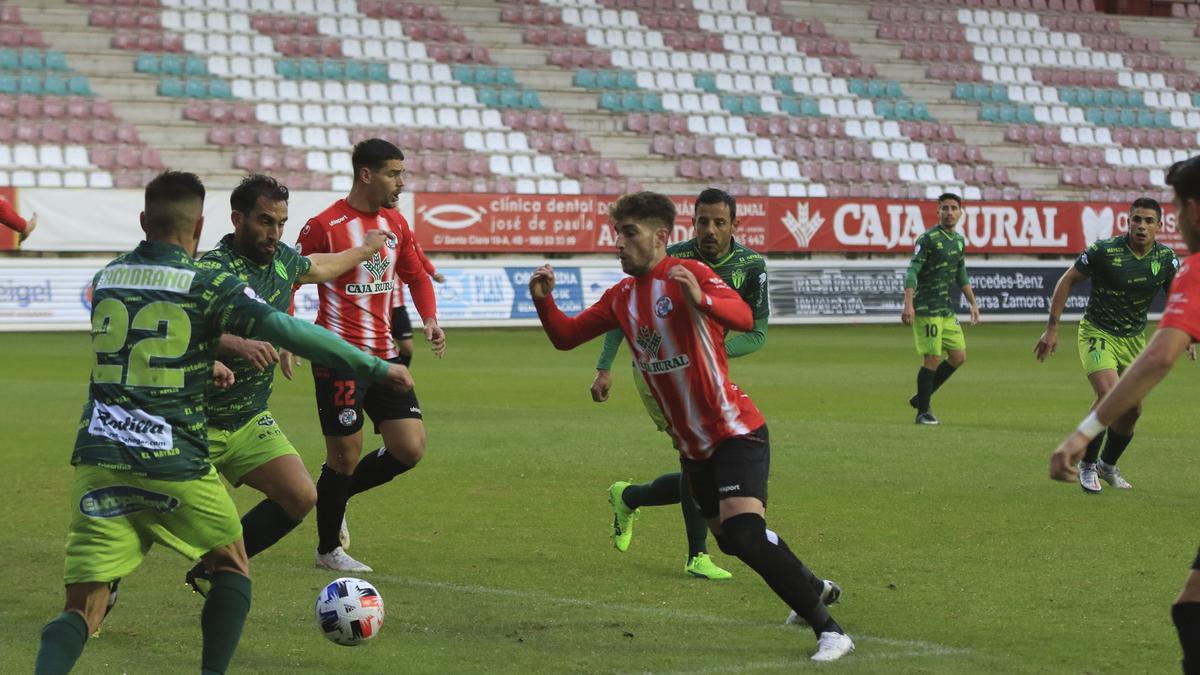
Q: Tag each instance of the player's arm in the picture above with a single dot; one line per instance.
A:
(568, 332)
(1048, 342)
(412, 271)
(258, 353)
(326, 266)
(602, 383)
(13, 220)
(920, 255)
(430, 269)
(741, 344)
(708, 293)
(964, 282)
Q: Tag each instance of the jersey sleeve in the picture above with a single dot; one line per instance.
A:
(425, 261)
(917, 262)
(1089, 261)
(10, 218)
(314, 238)
(719, 301)
(411, 271)
(960, 275)
(755, 293)
(1183, 303)
(567, 332)
(233, 307)
(295, 264)
(608, 353)
(1172, 270)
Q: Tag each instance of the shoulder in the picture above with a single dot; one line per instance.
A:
(750, 257)
(684, 249)
(333, 214)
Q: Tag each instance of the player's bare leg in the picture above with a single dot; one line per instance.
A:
(226, 605)
(64, 637)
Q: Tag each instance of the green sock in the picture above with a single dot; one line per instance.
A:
(62, 643)
(222, 619)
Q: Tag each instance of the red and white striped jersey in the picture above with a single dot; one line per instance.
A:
(1183, 302)
(357, 305)
(398, 294)
(679, 349)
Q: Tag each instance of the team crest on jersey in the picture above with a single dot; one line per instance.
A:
(347, 416)
(649, 339)
(376, 267)
(1155, 266)
(280, 270)
(663, 307)
(739, 276)
(392, 241)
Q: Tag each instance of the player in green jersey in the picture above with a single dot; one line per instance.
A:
(245, 443)
(142, 471)
(1126, 273)
(938, 264)
(714, 224)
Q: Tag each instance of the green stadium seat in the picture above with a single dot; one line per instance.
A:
(981, 92)
(1196, 100)
(1008, 114)
(145, 63)
(751, 105)
(1128, 118)
(1025, 115)
(854, 86)
(707, 82)
(10, 59)
(585, 77)
(809, 108)
(1088, 96)
(333, 69)
(531, 100)
(462, 73)
(885, 109)
(485, 75)
(287, 68)
(893, 89)
(876, 89)
(377, 72)
(54, 85)
(963, 91)
(310, 69)
(510, 98)
(1118, 98)
(921, 112)
(9, 84)
(32, 59)
(626, 80)
(488, 97)
(609, 100)
(505, 76)
(1111, 117)
(989, 113)
(1162, 119)
(172, 87)
(1136, 98)
(904, 109)
(732, 103)
(783, 83)
(31, 84)
(631, 101)
(170, 64)
(789, 105)
(218, 88)
(651, 102)
(195, 88)
(56, 60)
(356, 70)
(999, 93)
(606, 79)
(195, 66)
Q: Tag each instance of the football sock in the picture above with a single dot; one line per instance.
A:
(924, 388)
(222, 619)
(747, 537)
(264, 525)
(374, 470)
(943, 373)
(1115, 447)
(62, 643)
(660, 491)
(1186, 616)
(693, 520)
(333, 491)
(1093, 449)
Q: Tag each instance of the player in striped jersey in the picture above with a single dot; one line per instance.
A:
(674, 314)
(357, 306)
(1126, 272)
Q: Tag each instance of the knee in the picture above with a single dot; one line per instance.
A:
(742, 535)
(230, 558)
(342, 457)
(298, 500)
(957, 360)
(410, 450)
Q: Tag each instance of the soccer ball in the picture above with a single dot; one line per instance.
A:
(349, 611)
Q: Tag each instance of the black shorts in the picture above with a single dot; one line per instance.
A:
(342, 397)
(738, 467)
(401, 324)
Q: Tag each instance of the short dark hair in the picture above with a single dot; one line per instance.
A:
(718, 196)
(1147, 203)
(644, 206)
(1184, 176)
(166, 194)
(950, 195)
(373, 153)
(246, 194)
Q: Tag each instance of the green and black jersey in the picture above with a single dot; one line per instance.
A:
(273, 282)
(938, 265)
(745, 271)
(1124, 285)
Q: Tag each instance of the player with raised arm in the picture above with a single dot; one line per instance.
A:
(357, 306)
(938, 264)
(1177, 331)
(245, 442)
(714, 224)
(674, 314)
(142, 472)
(13, 220)
(1126, 272)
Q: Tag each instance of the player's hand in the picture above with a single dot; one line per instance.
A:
(687, 283)
(222, 377)
(1064, 463)
(373, 240)
(601, 385)
(260, 354)
(541, 283)
(1046, 344)
(906, 315)
(974, 315)
(30, 224)
(438, 277)
(436, 337)
(1191, 351)
(287, 361)
(399, 377)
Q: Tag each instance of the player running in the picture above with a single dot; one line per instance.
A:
(245, 443)
(714, 224)
(938, 263)
(1126, 273)
(142, 472)
(674, 314)
(357, 306)
(1178, 330)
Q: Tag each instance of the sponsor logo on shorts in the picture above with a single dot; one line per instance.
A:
(730, 488)
(347, 416)
(658, 366)
(266, 421)
(122, 500)
(130, 427)
(415, 409)
(663, 307)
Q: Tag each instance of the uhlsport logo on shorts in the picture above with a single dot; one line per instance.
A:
(347, 416)
(266, 421)
(122, 500)
(663, 307)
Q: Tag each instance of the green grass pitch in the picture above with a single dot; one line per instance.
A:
(956, 552)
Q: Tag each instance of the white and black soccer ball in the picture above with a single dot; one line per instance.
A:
(349, 611)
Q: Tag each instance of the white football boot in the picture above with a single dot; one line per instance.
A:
(340, 561)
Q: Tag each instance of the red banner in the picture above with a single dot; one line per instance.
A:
(579, 224)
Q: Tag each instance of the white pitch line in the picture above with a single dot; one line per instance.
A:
(910, 648)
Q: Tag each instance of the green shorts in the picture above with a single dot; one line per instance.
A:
(648, 400)
(117, 517)
(1099, 350)
(935, 335)
(237, 453)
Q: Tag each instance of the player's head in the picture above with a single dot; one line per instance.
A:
(643, 221)
(378, 172)
(259, 211)
(714, 222)
(949, 210)
(1185, 178)
(174, 209)
(1145, 217)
